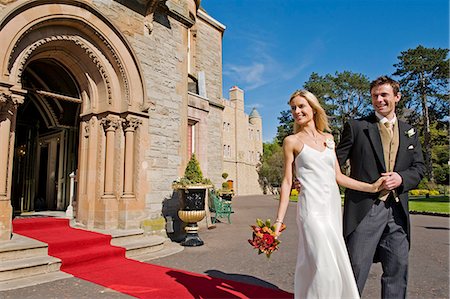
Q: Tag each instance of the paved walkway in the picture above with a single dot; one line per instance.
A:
(227, 254)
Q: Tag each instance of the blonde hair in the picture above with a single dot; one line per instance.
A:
(320, 117)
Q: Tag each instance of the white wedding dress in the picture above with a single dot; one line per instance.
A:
(323, 267)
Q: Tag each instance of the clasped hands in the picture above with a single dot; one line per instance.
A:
(387, 181)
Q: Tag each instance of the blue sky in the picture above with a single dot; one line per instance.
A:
(270, 48)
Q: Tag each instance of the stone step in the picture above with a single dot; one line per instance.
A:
(169, 248)
(21, 247)
(30, 266)
(33, 280)
(25, 261)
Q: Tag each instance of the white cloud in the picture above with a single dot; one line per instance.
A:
(262, 66)
(251, 76)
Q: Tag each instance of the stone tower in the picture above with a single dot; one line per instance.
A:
(242, 143)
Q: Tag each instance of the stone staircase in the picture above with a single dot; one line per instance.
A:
(25, 261)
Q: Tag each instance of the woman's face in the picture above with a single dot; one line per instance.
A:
(301, 111)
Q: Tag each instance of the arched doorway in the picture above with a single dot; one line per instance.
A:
(46, 139)
(72, 97)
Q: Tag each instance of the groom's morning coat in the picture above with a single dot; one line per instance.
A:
(361, 143)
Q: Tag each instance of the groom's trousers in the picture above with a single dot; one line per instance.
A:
(382, 232)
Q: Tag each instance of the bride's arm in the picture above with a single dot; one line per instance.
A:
(348, 182)
(288, 153)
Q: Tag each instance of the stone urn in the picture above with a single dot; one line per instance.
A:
(192, 211)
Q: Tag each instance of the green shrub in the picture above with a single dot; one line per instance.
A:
(434, 192)
(419, 192)
(192, 175)
(193, 172)
(422, 192)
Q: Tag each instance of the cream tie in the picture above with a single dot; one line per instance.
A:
(385, 193)
(389, 127)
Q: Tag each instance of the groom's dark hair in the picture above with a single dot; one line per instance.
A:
(385, 80)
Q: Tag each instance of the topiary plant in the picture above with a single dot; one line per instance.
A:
(192, 175)
(193, 172)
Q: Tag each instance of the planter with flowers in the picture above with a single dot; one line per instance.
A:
(227, 192)
(192, 187)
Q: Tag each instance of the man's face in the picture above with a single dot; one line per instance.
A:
(384, 100)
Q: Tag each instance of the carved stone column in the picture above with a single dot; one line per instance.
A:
(110, 125)
(107, 207)
(127, 205)
(5, 130)
(8, 108)
(129, 125)
(88, 176)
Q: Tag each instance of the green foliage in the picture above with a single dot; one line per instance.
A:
(424, 82)
(224, 175)
(270, 168)
(193, 172)
(344, 96)
(422, 192)
(441, 173)
(192, 175)
(286, 126)
(423, 184)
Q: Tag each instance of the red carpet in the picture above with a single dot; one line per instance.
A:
(89, 256)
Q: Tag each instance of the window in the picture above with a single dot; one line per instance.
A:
(192, 35)
(192, 138)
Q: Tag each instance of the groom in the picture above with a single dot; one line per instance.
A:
(376, 226)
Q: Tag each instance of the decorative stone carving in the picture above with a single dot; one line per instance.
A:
(130, 124)
(91, 54)
(110, 124)
(5, 97)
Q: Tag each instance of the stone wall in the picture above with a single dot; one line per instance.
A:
(162, 54)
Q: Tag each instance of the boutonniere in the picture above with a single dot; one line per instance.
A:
(410, 133)
(329, 142)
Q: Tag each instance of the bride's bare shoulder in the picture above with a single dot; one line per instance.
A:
(294, 143)
(293, 139)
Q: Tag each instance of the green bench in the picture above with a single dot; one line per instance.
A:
(220, 207)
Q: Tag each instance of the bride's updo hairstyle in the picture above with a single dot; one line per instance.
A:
(320, 117)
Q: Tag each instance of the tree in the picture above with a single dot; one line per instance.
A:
(286, 126)
(270, 168)
(439, 132)
(343, 96)
(424, 81)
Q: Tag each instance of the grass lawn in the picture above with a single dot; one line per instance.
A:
(435, 204)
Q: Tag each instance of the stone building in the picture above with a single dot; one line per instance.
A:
(114, 93)
(242, 144)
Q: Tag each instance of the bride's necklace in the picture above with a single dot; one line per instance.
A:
(313, 137)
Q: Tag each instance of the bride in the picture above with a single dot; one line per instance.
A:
(323, 267)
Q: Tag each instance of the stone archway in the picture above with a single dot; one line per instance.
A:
(112, 103)
(46, 138)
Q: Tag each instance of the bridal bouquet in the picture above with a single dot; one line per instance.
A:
(264, 238)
